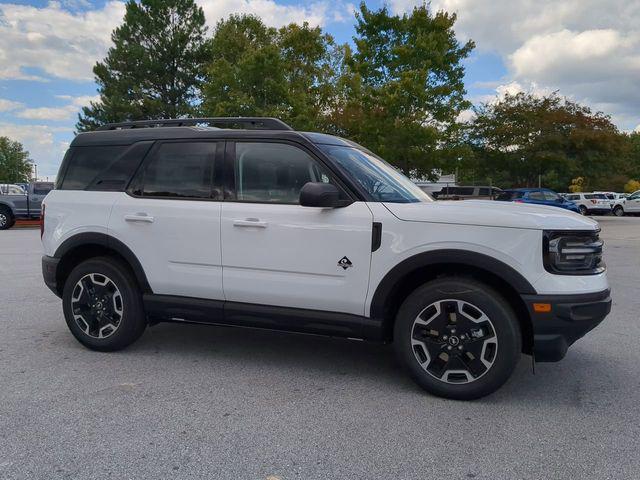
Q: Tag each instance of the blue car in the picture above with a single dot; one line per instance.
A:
(537, 196)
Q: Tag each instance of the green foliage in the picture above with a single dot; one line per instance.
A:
(15, 166)
(524, 136)
(402, 88)
(155, 66)
(260, 71)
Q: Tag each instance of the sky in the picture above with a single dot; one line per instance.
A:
(587, 50)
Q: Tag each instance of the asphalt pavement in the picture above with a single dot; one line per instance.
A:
(191, 401)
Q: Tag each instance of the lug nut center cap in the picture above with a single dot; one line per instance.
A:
(454, 341)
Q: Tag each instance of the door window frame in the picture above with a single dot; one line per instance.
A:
(216, 164)
(229, 173)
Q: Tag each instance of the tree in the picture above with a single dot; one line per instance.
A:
(256, 70)
(155, 67)
(632, 186)
(15, 166)
(525, 138)
(403, 88)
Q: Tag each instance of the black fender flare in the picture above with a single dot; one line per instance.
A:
(107, 241)
(444, 257)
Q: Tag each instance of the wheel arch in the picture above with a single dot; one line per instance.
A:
(84, 246)
(409, 274)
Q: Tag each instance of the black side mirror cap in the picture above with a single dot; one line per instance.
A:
(324, 195)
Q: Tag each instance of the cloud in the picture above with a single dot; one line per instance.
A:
(40, 140)
(271, 12)
(52, 41)
(589, 50)
(65, 112)
(8, 105)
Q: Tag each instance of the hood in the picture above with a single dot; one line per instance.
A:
(492, 214)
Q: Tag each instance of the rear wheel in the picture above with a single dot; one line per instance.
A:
(6, 218)
(458, 338)
(583, 210)
(618, 211)
(103, 305)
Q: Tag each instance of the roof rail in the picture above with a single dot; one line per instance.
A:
(248, 123)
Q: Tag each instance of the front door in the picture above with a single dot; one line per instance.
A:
(632, 204)
(170, 219)
(276, 252)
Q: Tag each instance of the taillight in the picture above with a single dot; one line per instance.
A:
(42, 220)
(519, 201)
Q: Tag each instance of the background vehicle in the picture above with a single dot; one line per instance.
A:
(467, 193)
(537, 196)
(591, 203)
(631, 204)
(271, 228)
(617, 201)
(15, 203)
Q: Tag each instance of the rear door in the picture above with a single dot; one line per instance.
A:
(170, 219)
(276, 252)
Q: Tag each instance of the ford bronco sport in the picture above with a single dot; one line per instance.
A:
(261, 226)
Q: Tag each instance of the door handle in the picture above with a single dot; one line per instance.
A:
(250, 222)
(139, 217)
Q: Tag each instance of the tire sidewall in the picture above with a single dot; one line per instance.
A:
(133, 320)
(10, 220)
(486, 299)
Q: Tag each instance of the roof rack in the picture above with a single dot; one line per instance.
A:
(248, 123)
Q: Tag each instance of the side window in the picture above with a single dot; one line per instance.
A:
(550, 196)
(484, 192)
(274, 172)
(178, 170)
(536, 196)
(87, 163)
(573, 197)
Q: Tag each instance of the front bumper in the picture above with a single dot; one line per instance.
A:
(569, 318)
(49, 273)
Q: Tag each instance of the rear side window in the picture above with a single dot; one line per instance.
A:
(87, 163)
(41, 188)
(573, 197)
(599, 196)
(178, 170)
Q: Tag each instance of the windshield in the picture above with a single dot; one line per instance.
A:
(383, 182)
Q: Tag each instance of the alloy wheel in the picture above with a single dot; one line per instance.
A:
(97, 305)
(3, 220)
(454, 341)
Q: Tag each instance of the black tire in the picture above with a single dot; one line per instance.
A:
(583, 210)
(618, 211)
(132, 320)
(502, 320)
(6, 218)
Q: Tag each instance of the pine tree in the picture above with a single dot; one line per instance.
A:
(155, 67)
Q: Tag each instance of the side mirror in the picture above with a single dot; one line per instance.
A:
(318, 194)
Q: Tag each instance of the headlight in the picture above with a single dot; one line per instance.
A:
(572, 253)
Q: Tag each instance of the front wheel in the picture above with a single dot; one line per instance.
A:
(458, 338)
(103, 305)
(6, 218)
(583, 210)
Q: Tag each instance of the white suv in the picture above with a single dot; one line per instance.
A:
(305, 232)
(590, 203)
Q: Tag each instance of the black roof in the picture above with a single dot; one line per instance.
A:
(128, 133)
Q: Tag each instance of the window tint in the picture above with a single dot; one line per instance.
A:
(483, 191)
(551, 196)
(573, 197)
(42, 188)
(87, 163)
(599, 196)
(536, 195)
(274, 172)
(178, 170)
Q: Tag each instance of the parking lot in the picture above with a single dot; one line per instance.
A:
(192, 401)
